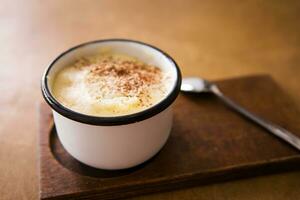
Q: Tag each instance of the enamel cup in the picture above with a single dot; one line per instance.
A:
(114, 142)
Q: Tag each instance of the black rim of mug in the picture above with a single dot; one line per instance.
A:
(115, 120)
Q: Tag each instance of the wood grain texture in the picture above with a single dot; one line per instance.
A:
(213, 39)
(208, 143)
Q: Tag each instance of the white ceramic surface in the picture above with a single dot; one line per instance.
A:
(115, 146)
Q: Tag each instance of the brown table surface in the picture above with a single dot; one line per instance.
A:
(212, 39)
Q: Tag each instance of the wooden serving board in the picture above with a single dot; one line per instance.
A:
(209, 143)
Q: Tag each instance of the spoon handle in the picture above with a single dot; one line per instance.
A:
(271, 127)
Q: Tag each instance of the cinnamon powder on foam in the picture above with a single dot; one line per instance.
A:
(110, 85)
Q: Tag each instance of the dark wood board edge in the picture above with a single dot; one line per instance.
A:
(44, 128)
(189, 180)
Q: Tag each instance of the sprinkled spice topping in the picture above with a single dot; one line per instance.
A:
(110, 84)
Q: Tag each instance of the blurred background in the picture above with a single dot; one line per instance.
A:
(211, 39)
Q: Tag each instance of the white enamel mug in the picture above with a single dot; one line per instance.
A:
(114, 142)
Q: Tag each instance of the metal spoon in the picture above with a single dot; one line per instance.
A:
(198, 85)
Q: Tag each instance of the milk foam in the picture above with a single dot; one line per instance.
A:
(110, 85)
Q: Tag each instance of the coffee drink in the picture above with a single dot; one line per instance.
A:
(110, 84)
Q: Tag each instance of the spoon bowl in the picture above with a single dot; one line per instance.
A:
(194, 84)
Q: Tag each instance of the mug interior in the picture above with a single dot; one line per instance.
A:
(143, 52)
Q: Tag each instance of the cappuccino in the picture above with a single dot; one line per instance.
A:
(110, 85)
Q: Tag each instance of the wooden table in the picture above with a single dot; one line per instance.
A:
(212, 39)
